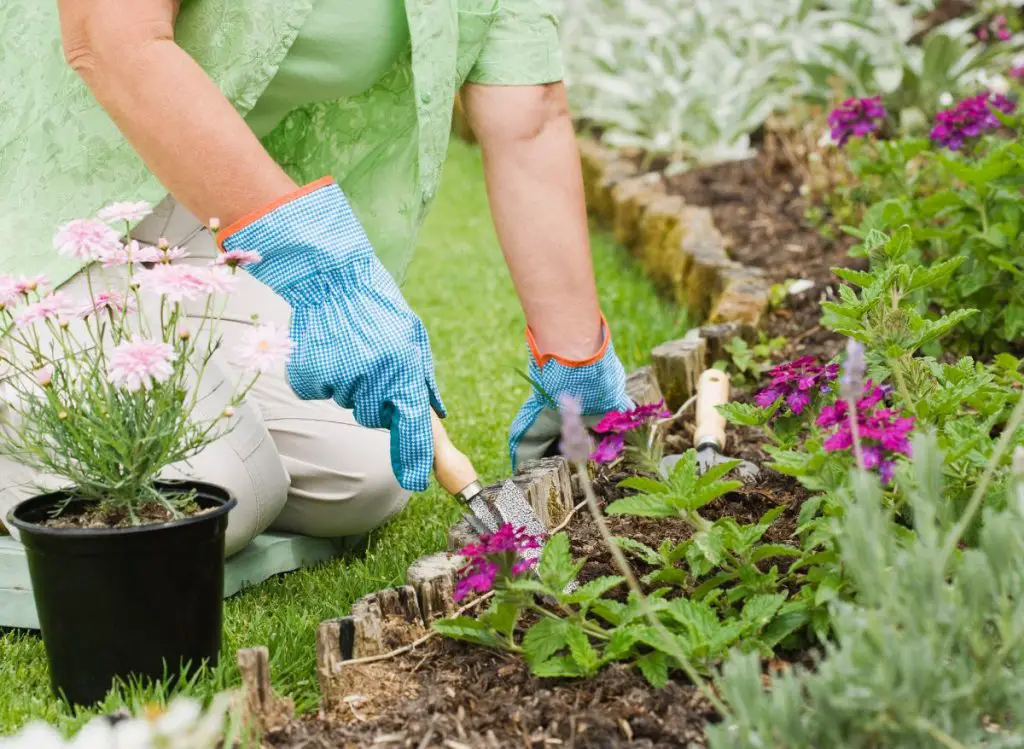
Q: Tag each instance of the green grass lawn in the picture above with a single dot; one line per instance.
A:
(460, 287)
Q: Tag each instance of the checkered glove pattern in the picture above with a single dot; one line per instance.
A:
(599, 385)
(356, 339)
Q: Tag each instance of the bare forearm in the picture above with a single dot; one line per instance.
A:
(532, 166)
(174, 116)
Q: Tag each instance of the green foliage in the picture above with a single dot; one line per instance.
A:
(748, 362)
(962, 215)
(931, 651)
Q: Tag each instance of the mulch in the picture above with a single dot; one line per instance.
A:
(455, 695)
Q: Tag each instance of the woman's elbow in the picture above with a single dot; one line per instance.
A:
(97, 42)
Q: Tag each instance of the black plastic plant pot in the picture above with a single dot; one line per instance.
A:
(120, 603)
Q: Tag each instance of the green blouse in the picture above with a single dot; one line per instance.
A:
(333, 87)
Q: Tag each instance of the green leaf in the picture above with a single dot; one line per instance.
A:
(643, 551)
(712, 583)
(710, 545)
(643, 484)
(611, 611)
(468, 629)
(856, 277)
(760, 609)
(544, 639)
(588, 593)
(501, 616)
(560, 667)
(556, 568)
(654, 667)
(620, 643)
(581, 650)
(791, 617)
(774, 550)
(642, 505)
(747, 414)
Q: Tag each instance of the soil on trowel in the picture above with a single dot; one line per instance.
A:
(758, 208)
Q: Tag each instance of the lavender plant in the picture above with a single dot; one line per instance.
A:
(104, 392)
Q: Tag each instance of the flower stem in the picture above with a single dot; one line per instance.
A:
(626, 571)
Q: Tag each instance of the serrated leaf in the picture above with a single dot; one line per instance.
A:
(856, 277)
(645, 552)
(544, 639)
(712, 583)
(582, 651)
(620, 643)
(588, 593)
(467, 629)
(747, 414)
(644, 484)
(642, 505)
(759, 610)
(613, 612)
(654, 667)
(556, 568)
(562, 666)
(767, 551)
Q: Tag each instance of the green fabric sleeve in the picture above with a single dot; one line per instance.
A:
(521, 48)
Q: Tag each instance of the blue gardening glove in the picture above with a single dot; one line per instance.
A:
(356, 340)
(598, 383)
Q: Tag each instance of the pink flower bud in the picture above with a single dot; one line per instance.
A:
(162, 243)
(44, 375)
(214, 224)
(229, 412)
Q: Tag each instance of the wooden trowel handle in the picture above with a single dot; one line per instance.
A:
(453, 469)
(712, 390)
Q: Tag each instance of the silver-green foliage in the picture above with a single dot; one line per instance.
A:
(696, 77)
(931, 653)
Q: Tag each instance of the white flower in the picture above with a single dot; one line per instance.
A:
(998, 85)
(125, 211)
(946, 99)
(36, 735)
(263, 348)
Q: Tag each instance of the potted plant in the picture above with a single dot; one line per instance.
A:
(127, 567)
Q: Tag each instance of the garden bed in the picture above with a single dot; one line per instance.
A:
(454, 694)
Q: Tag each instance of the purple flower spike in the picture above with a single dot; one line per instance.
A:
(969, 119)
(855, 118)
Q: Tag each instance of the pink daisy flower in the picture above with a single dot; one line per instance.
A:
(111, 301)
(130, 254)
(139, 364)
(178, 282)
(125, 211)
(237, 258)
(9, 292)
(50, 307)
(25, 285)
(263, 349)
(169, 254)
(86, 239)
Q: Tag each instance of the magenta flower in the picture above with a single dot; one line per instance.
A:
(797, 383)
(494, 559)
(1017, 71)
(1004, 34)
(855, 118)
(86, 239)
(263, 348)
(884, 432)
(969, 119)
(237, 258)
(615, 425)
(609, 449)
(139, 364)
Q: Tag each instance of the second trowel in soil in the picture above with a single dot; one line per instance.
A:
(709, 432)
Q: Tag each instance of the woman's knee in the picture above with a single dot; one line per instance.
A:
(342, 483)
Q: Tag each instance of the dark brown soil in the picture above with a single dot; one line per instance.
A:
(471, 697)
(758, 208)
(92, 516)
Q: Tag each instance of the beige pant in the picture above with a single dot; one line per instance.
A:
(300, 466)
